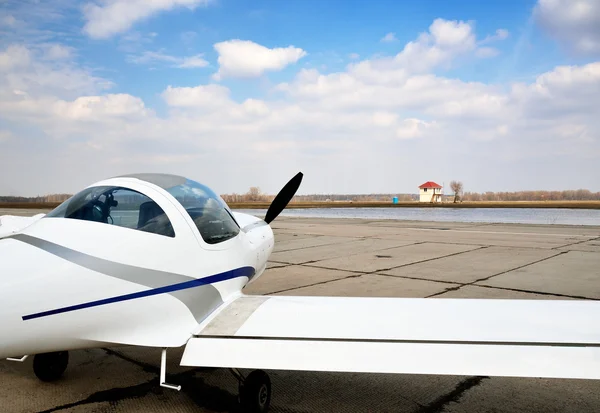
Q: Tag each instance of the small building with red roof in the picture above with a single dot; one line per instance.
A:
(430, 192)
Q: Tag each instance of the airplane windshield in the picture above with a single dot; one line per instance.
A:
(208, 211)
(118, 206)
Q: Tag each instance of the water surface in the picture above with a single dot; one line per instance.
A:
(558, 216)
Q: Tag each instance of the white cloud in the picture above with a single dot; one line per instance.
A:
(243, 58)
(452, 33)
(150, 57)
(256, 107)
(58, 52)
(386, 82)
(101, 108)
(14, 56)
(354, 56)
(388, 38)
(5, 135)
(452, 108)
(501, 34)
(37, 72)
(413, 128)
(193, 62)
(445, 42)
(21, 56)
(566, 90)
(574, 23)
(384, 119)
(205, 96)
(348, 131)
(106, 18)
(9, 20)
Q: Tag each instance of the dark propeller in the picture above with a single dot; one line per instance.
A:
(279, 203)
(283, 198)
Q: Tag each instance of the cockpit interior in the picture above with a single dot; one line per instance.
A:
(125, 207)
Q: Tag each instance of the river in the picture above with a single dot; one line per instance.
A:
(487, 215)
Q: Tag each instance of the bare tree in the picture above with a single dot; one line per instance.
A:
(457, 188)
(254, 194)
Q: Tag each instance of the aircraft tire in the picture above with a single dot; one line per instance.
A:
(50, 366)
(255, 392)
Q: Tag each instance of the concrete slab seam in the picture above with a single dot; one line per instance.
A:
(402, 265)
(495, 275)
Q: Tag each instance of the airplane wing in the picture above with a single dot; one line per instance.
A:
(10, 224)
(496, 337)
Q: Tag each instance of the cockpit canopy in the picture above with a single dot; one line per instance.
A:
(125, 207)
(210, 213)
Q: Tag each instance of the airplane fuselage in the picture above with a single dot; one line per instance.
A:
(70, 283)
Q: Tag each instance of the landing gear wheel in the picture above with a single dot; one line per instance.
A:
(255, 392)
(50, 366)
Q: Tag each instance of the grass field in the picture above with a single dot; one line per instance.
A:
(264, 205)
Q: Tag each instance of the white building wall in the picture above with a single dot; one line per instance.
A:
(425, 194)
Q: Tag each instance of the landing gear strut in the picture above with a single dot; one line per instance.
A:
(50, 366)
(254, 390)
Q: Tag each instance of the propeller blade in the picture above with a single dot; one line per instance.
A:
(283, 198)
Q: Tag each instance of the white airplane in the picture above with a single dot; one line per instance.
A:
(160, 261)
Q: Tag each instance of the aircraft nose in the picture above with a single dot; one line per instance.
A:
(266, 244)
(262, 241)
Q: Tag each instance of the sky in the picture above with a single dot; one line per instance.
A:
(362, 96)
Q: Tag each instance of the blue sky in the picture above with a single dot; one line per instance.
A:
(363, 96)
(330, 31)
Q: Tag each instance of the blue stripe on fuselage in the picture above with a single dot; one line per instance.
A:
(228, 275)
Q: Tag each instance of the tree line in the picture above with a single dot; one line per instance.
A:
(255, 195)
(36, 199)
(569, 195)
(456, 194)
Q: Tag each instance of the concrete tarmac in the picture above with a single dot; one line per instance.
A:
(355, 258)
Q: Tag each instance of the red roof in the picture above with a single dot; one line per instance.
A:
(430, 184)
